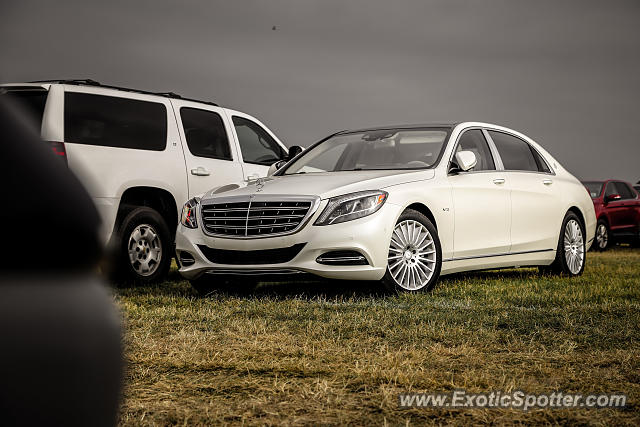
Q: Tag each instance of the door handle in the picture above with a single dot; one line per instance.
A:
(252, 177)
(200, 171)
(498, 181)
(547, 182)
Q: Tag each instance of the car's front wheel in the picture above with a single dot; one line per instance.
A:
(415, 255)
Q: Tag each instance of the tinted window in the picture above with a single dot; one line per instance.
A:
(611, 189)
(474, 141)
(594, 188)
(624, 191)
(514, 152)
(542, 164)
(32, 101)
(114, 122)
(256, 144)
(205, 133)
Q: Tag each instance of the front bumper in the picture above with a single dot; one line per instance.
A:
(369, 236)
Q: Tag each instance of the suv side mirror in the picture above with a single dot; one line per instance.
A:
(612, 198)
(294, 150)
(465, 160)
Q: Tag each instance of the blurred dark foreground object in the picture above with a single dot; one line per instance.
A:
(60, 334)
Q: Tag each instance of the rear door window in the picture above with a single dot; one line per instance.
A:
(205, 133)
(515, 153)
(114, 122)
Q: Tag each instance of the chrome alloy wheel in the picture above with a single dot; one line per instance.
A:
(573, 246)
(145, 249)
(602, 236)
(412, 255)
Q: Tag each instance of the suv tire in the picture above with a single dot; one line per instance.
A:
(145, 247)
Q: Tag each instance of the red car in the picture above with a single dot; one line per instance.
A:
(617, 208)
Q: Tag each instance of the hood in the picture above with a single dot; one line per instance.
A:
(325, 184)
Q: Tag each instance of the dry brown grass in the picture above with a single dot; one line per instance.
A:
(339, 353)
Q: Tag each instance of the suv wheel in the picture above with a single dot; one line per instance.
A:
(415, 255)
(603, 239)
(145, 246)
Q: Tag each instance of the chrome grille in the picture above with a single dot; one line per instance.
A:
(254, 217)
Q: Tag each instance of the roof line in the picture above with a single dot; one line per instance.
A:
(89, 82)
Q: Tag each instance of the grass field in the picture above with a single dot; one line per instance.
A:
(339, 353)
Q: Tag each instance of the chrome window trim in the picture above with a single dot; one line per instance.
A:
(315, 203)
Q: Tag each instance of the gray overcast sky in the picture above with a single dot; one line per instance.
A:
(567, 73)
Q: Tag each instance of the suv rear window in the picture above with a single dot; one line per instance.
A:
(32, 100)
(114, 122)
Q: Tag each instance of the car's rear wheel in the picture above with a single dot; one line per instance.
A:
(145, 247)
(415, 255)
(571, 252)
(603, 241)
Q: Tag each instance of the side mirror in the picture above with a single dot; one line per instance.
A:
(612, 198)
(466, 160)
(275, 166)
(294, 150)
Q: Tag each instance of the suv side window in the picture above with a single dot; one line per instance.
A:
(205, 133)
(256, 144)
(611, 189)
(110, 121)
(474, 141)
(515, 153)
(624, 191)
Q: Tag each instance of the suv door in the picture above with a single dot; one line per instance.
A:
(210, 157)
(258, 147)
(536, 200)
(481, 203)
(627, 207)
(615, 209)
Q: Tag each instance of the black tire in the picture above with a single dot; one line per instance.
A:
(149, 221)
(600, 244)
(561, 265)
(390, 283)
(238, 285)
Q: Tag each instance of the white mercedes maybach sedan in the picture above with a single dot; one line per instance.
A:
(401, 205)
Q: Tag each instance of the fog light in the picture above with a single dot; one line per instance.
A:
(186, 259)
(342, 258)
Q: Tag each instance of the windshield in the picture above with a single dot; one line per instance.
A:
(594, 188)
(374, 150)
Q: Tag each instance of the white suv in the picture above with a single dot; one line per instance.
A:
(141, 155)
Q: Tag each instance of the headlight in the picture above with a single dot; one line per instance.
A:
(188, 217)
(351, 206)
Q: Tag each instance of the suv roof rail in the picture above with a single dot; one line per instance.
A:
(89, 82)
